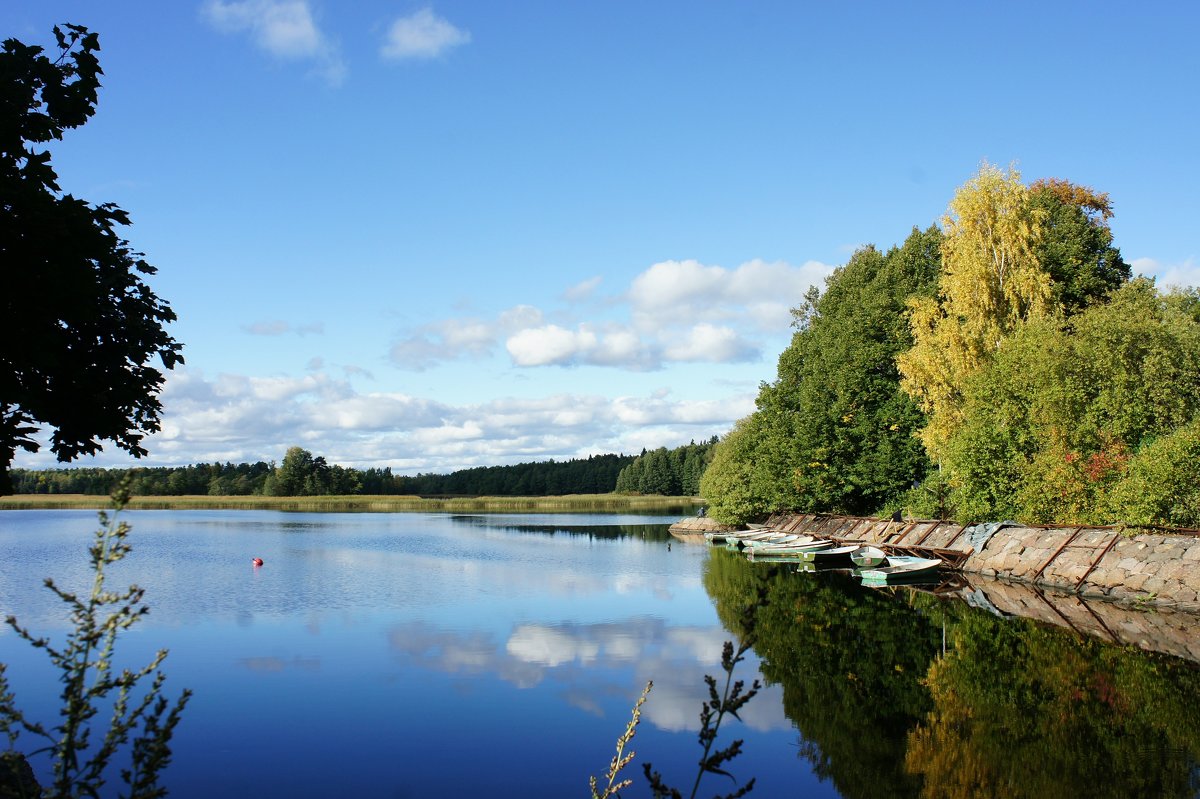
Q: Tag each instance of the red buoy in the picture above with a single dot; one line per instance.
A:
(257, 561)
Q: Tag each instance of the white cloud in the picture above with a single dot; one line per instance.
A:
(284, 28)
(1165, 277)
(757, 294)
(467, 338)
(446, 340)
(622, 347)
(279, 327)
(675, 312)
(421, 35)
(591, 345)
(582, 291)
(672, 284)
(551, 344)
(243, 418)
(660, 410)
(712, 344)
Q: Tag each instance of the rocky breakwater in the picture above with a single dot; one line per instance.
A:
(1153, 567)
(693, 528)
(1143, 566)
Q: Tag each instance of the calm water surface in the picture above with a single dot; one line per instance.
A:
(409, 655)
(402, 655)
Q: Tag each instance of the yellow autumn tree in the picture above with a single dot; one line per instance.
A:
(991, 282)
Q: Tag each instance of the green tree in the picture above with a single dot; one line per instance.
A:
(694, 462)
(991, 282)
(1049, 425)
(1076, 247)
(1011, 254)
(657, 477)
(854, 425)
(1161, 484)
(742, 482)
(79, 327)
(835, 431)
(294, 477)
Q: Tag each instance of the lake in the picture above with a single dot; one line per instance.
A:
(416, 655)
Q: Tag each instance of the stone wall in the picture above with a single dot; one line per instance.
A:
(1156, 568)
(1107, 562)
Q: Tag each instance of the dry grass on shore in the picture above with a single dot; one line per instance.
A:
(573, 503)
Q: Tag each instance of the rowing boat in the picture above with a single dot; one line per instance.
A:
(868, 557)
(794, 549)
(740, 538)
(829, 554)
(780, 540)
(899, 569)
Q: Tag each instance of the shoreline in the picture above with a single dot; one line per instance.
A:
(570, 503)
(1152, 567)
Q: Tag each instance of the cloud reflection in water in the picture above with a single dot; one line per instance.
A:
(593, 661)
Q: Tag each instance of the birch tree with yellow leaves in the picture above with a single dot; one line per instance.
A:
(992, 281)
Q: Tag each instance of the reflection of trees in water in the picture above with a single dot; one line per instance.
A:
(1025, 710)
(1012, 709)
(650, 532)
(849, 662)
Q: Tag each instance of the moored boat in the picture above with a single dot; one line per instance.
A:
(780, 540)
(899, 569)
(752, 538)
(794, 549)
(829, 554)
(868, 557)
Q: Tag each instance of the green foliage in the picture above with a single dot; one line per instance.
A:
(931, 498)
(1051, 423)
(1044, 371)
(596, 474)
(79, 327)
(668, 472)
(1076, 247)
(1161, 485)
(1013, 255)
(743, 480)
(834, 431)
(302, 475)
(140, 726)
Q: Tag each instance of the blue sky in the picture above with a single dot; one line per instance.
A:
(470, 233)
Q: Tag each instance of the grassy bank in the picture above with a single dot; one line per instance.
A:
(575, 503)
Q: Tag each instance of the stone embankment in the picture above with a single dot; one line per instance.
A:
(1124, 564)
(694, 528)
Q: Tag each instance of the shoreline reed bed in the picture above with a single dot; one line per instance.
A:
(571, 503)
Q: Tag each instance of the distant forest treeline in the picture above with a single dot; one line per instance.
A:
(667, 472)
